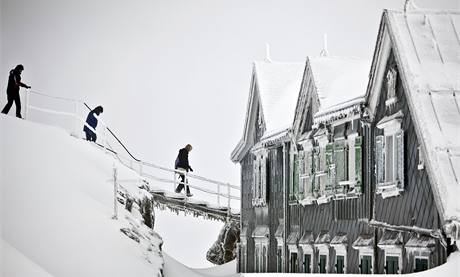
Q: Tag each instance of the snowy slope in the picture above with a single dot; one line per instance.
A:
(57, 205)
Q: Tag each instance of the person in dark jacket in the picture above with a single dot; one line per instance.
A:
(91, 123)
(12, 91)
(182, 164)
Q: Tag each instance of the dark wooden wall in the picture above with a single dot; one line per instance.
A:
(416, 205)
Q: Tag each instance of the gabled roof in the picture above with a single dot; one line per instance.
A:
(426, 45)
(278, 86)
(338, 79)
(274, 88)
(334, 84)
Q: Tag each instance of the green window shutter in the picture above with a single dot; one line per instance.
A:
(295, 177)
(358, 164)
(330, 168)
(341, 162)
(255, 169)
(301, 170)
(380, 158)
(308, 161)
(400, 159)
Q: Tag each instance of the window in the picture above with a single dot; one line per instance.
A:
(390, 156)
(421, 264)
(293, 262)
(243, 257)
(261, 257)
(340, 263)
(365, 264)
(279, 260)
(260, 178)
(294, 188)
(322, 265)
(306, 176)
(392, 265)
(306, 263)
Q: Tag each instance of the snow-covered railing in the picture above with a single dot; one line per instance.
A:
(70, 114)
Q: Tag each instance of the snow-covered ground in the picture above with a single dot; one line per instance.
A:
(56, 211)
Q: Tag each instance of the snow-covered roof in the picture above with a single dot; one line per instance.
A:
(274, 87)
(427, 49)
(417, 241)
(307, 238)
(294, 236)
(390, 238)
(338, 79)
(340, 238)
(261, 231)
(323, 238)
(364, 241)
(278, 85)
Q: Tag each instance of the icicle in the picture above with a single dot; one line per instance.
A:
(324, 52)
(267, 53)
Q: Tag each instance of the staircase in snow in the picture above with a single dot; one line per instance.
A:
(212, 199)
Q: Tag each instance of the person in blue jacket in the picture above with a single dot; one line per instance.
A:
(91, 123)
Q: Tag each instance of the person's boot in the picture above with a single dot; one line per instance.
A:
(189, 194)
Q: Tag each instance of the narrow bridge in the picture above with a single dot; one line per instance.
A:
(212, 199)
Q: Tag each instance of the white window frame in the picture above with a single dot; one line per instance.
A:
(308, 249)
(340, 250)
(395, 251)
(367, 252)
(306, 175)
(323, 249)
(293, 249)
(260, 243)
(243, 254)
(424, 257)
(392, 185)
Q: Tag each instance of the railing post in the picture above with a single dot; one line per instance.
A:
(174, 181)
(26, 100)
(228, 197)
(115, 193)
(218, 195)
(76, 119)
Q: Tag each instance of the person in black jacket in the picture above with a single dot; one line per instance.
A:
(12, 91)
(182, 164)
(91, 123)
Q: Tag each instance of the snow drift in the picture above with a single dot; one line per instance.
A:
(56, 209)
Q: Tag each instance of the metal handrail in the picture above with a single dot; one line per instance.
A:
(138, 161)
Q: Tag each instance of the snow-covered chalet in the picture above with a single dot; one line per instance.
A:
(352, 166)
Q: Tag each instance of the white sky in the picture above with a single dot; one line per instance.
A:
(173, 72)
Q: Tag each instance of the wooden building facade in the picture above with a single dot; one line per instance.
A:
(341, 171)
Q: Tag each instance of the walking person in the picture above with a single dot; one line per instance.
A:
(91, 123)
(12, 91)
(182, 164)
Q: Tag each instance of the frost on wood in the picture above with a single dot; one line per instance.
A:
(139, 219)
(224, 249)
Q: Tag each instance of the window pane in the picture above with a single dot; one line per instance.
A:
(322, 263)
(340, 264)
(389, 159)
(307, 263)
(366, 264)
